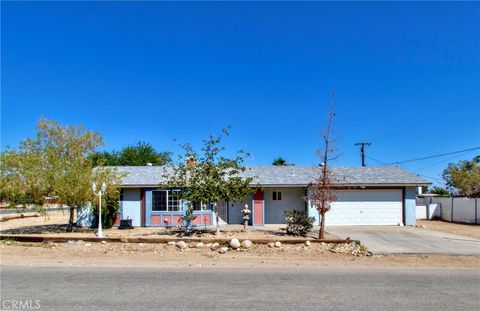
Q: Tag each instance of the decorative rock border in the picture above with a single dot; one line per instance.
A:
(65, 238)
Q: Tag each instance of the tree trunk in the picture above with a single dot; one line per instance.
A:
(321, 231)
(70, 219)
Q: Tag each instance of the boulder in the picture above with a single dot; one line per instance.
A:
(209, 245)
(234, 243)
(223, 250)
(215, 246)
(247, 244)
(171, 243)
(308, 243)
(271, 244)
(200, 245)
(192, 244)
(278, 244)
(181, 245)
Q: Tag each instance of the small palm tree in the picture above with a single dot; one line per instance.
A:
(279, 161)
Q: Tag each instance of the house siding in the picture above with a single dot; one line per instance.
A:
(131, 205)
(292, 199)
(410, 206)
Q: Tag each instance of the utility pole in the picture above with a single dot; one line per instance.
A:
(362, 150)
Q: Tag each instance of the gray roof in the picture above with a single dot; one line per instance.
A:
(289, 175)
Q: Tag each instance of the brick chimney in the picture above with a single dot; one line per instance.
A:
(191, 162)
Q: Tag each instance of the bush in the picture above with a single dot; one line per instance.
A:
(108, 212)
(298, 223)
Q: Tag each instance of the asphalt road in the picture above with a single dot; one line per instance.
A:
(244, 289)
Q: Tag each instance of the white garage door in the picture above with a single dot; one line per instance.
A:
(366, 207)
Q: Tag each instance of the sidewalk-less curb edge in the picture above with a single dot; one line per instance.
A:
(64, 239)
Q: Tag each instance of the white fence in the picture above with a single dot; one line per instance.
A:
(464, 210)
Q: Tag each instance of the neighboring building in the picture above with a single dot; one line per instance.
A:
(366, 196)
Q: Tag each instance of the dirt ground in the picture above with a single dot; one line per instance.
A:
(162, 255)
(55, 224)
(472, 231)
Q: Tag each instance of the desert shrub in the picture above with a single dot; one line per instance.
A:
(298, 223)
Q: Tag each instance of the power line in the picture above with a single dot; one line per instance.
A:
(442, 161)
(427, 119)
(433, 156)
(378, 161)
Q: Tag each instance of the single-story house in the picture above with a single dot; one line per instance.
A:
(374, 195)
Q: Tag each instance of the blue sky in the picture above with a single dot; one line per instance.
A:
(406, 75)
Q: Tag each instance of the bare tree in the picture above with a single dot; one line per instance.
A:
(324, 186)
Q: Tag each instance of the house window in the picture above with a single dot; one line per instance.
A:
(277, 195)
(198, 206)
(159, 200)
(173, 200)
(165, 200)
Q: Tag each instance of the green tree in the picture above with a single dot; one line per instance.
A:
(279, 161)
(22, 181)
(104, 158)
(439, 191)
(463, 177)
(54, 163)
(142, 153)
(207, 176)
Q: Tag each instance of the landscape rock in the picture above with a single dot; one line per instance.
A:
(192, 244)
(271, 245)
(181, 245)
(235, 243)
(308, 243)
(171, 243)
(200, 245)
(73, 242)
(215, 246)
(104, 242)
(247, 244)
(278, 244)
(223, 250)
(209, 245)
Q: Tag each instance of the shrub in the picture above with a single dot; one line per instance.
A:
(109, 212)
(298, 223)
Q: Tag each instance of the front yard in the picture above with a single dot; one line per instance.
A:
(467, 230)
(55, 224)
(162, 255)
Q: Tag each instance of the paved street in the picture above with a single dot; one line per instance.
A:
(244, 289)
(407, 240)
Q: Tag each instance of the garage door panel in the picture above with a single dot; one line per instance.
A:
(366, 207)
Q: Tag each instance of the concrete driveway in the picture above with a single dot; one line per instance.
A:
(407, 240)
